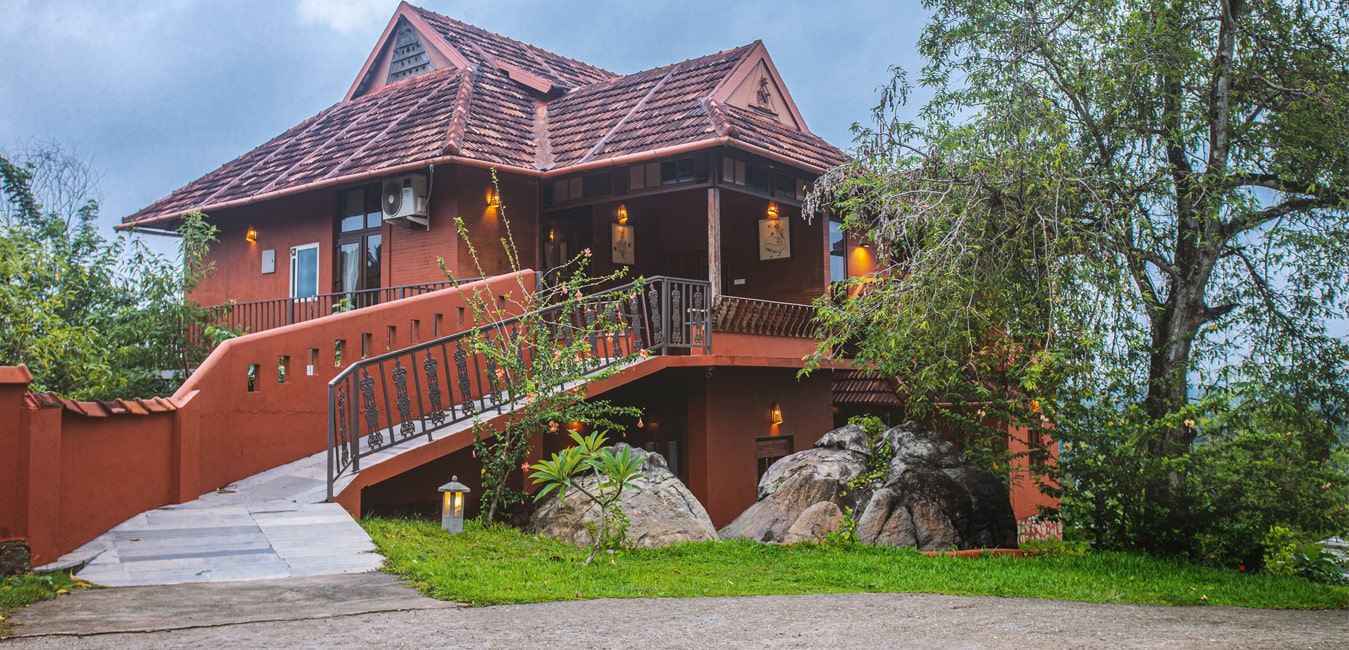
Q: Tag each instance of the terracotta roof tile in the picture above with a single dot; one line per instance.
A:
(865, 388)
(480, 46)
(101, 409)
(485, 114)
(806, 148)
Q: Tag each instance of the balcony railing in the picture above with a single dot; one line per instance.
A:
(762, 317)
(377, 403)
(261, 315)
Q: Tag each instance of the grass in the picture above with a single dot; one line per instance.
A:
(501, 565)
(23, 590)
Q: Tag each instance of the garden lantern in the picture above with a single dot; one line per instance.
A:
(452, 506)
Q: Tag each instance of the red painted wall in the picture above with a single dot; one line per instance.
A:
(244, 432)
(409, 252)
(112, 468)
(13, 435)
(728, 411)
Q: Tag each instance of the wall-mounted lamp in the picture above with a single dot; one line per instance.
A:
(552, 235)
(772, 210)
(251, 235)
(493, 197)
(775, 414)
(622, 213)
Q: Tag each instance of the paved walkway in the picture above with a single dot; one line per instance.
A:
(271, 525)
(372, 610)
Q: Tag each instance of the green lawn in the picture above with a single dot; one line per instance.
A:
(22, 590)
(502, 565)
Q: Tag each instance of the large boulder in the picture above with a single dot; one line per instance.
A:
(791, 486)
(931, 498)
(661, 512)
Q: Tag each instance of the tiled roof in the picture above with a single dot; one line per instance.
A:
(639, 112)
(483, 114)
(485, 49)
(865, 388)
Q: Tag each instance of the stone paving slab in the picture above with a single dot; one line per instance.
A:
(268, 526)
(184, 606)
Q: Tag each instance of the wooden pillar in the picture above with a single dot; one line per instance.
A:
(714, 241)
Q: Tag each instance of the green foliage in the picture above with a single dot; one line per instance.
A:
(613, 469)
(499, 565)
(1106, 210)
(846, 535)
(26, 589)
(1258, 463)
(545, 375)
(879, 453)
(94, 318)
(1055, 548)
(1288, 554)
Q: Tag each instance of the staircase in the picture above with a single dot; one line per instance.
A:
(387, 405)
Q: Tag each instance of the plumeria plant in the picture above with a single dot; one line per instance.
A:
(613, 470)
(541, 362)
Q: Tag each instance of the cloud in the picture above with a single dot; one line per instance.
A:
(347, 17)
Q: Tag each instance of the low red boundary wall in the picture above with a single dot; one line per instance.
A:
(71, 470)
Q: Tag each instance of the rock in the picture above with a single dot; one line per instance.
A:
(849, 437)
(932, 498)
(15, 557)
(817, 521)
(793, 484)
(663, 511)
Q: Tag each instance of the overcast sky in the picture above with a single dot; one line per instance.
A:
(157, 93)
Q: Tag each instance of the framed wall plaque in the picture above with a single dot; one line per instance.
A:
(775, 239)
(624, 248)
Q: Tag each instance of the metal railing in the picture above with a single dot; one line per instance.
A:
(763, 317)
(383, 401)
(261, 315)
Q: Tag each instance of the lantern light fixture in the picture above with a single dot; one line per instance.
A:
(775, 414)
(622, 213)
(772, 210)
(251, 235)
(493, 197)
(452, 506)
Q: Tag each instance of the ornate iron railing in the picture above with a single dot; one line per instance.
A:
(377, 403)
(764, 317)
(261, 315)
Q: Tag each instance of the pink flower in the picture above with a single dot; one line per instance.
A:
(579, 296)
(644, 353)
(552, 426)
(586, 252)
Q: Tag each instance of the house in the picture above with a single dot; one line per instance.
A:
(693, 170)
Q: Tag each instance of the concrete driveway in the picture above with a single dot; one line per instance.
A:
(373, 610)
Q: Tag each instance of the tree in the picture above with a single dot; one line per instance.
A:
(92, 318)
(543, 360)
(1110, 205)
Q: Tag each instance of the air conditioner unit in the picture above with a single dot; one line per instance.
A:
(404, 199)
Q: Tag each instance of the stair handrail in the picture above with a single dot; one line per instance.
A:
(670, 315)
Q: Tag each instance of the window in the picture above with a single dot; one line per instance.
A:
(304, 271)
(360, 223)
(676, 171)
(838, 260)
(756, 178)
(597, 185)
(769, 450)
(736, 172)
(784, 187)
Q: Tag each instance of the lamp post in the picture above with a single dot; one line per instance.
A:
(452, 506)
